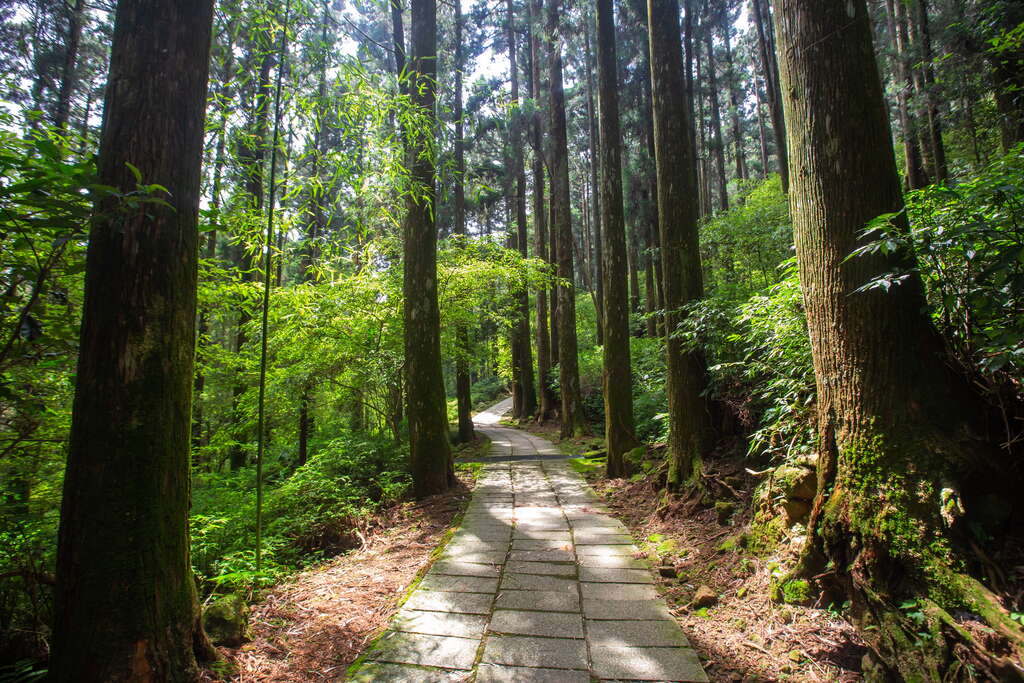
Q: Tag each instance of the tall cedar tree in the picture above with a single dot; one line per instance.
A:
(546, 410)
(125, 599)
(522, 349)
(899, 455)
(618, 382)
(561, 229)
(429, 450)
(686, 375)
(463, 385)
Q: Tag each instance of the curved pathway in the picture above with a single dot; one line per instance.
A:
(539, 583)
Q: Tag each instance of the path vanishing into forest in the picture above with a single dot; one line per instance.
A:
(540, 583)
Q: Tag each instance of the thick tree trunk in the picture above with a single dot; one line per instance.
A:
(899, 456)
(561, 228)
(125, 599)
(429, 449)
(619, 429)
(463, 385)
(686, 376)
(717, 143)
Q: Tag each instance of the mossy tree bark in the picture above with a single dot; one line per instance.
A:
(426, 410)
(125, 599)
(900, 453)
(620, 434)
(463, 384)
(561, 228)
(686, 376)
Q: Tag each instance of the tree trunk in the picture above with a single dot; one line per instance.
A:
(561, 228)
(717, 144)
(940, 170)
(528, 404)
(914, 170)
(596, 213)
(899, 455)
(398, 45)
(429, 449)
(69, 77)
(770, 68)
(619, 429)
(734, 108)
(762, 135)
(125, 598)
(689, 420)
(463, 385)
(547, 397)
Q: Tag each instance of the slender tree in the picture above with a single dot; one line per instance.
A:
(914, 170)
(900, 449)
(761, 14)
(125, 599)
(619, 431)
(596, 214)
(685, 380)
(521, 348)
(561, 228)
(717, 142)
(546, 409)
(463, 384)
(429, 450)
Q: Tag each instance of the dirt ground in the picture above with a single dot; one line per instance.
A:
(314, 625)
(744, 636)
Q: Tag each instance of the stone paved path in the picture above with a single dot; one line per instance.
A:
(538, 584)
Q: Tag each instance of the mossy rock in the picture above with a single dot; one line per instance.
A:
(795, 482)
(226, 621)
(793, 592)
(724, 510)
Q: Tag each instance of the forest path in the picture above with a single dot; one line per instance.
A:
(539, 583)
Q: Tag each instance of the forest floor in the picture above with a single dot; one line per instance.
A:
(743, 635)
(311, 627)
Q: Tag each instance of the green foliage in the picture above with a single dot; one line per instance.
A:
(969, 243)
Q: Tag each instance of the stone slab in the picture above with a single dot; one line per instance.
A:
(466, 569)
(547, 568)
(556, 653)
(537, 582)
(530, 534)
(536, 544)
(549, 624)
(611, 562)
(615, 575)
(586, 538)
(458, 584)
(549, 555)
(440, 623)
(607, 550)
(618, 591)
(496, 673)
(625, 609)
(547, 601)
(442, 601)
(647, 664)
(663, 633)
(445, 652)
(492, 557)
(385, 672)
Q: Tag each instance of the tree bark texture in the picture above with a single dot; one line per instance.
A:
(717, 142)
(547, 409)
(426, 411)
(561, 228)
(463, 385)
(686, 375)
(125, 599)
(619, 429)
(900, 455)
